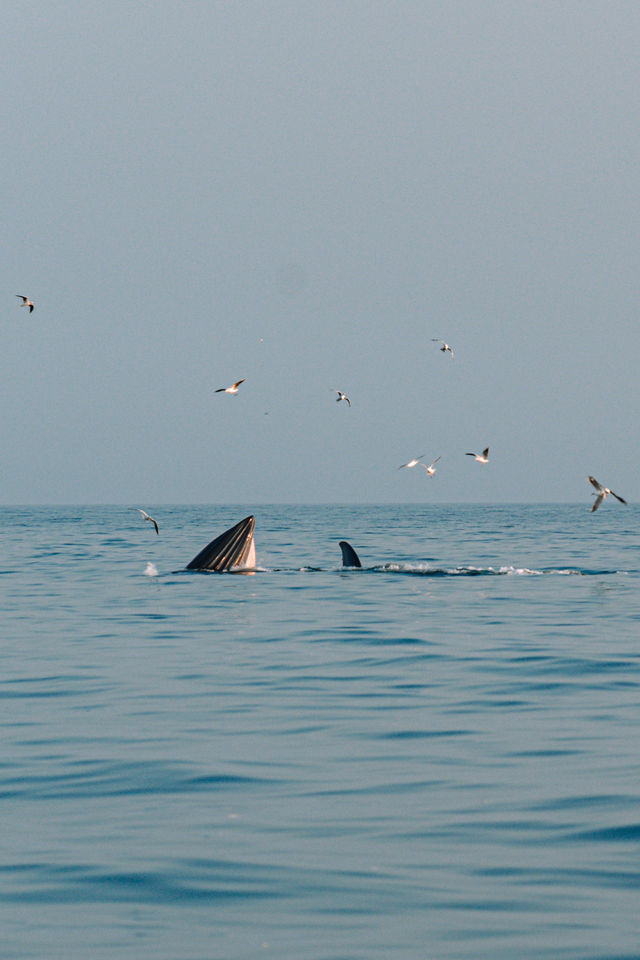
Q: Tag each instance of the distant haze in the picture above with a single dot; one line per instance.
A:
(303, 195)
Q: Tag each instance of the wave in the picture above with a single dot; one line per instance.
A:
(424, 570)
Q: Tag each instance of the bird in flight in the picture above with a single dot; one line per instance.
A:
(444, 347)
(412, 463)
(480, 457)
(602, 494)
(342, 396)
(145, 516)
(25, 302)
(233, 389)
(431, 469)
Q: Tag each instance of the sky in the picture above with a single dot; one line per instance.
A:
(304, 195)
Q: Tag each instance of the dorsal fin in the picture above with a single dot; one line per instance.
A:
(349, 557)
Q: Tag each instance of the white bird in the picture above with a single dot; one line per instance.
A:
(602, 493)
(233, 389)
(412, 463)
(342, 396)
(145, 516)
(431, 469)
(480, 457)
(25, 302)
(444, 347)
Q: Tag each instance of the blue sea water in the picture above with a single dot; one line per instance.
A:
(433, 757)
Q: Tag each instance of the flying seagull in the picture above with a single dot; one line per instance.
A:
(480, 457)
(233, 389)
(25, 302)
(412, 463)
(602, 493)
(431, 469)
(444, 347)
(342, 396)
(145, 516)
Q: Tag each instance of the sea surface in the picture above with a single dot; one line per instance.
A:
(436, 756)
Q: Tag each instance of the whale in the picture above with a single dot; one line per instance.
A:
(232, 550)
(349, 557)
(235, 550)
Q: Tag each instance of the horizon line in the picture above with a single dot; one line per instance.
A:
(129, 504)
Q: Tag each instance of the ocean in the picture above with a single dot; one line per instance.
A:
(435, 756)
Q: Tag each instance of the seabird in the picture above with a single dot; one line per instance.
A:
(444, 347)
(25, 301)
(480, 457)
(602, 493)
(431, 469)
(342, 396)
(412, 463)
(233, 388)
(145, 516)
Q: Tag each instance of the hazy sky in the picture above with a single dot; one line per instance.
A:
(304, 194)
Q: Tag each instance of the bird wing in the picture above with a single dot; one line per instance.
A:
(469, 454)
(144, 514)
(412, 462)
(220, 390)
(485, 452)
(21, 296)
(595, 483)
(238, 382)
(596, 503)
(434, 462)
(155, 523)
(348, 401)
(617, 497)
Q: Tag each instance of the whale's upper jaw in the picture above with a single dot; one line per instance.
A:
(232, 550)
